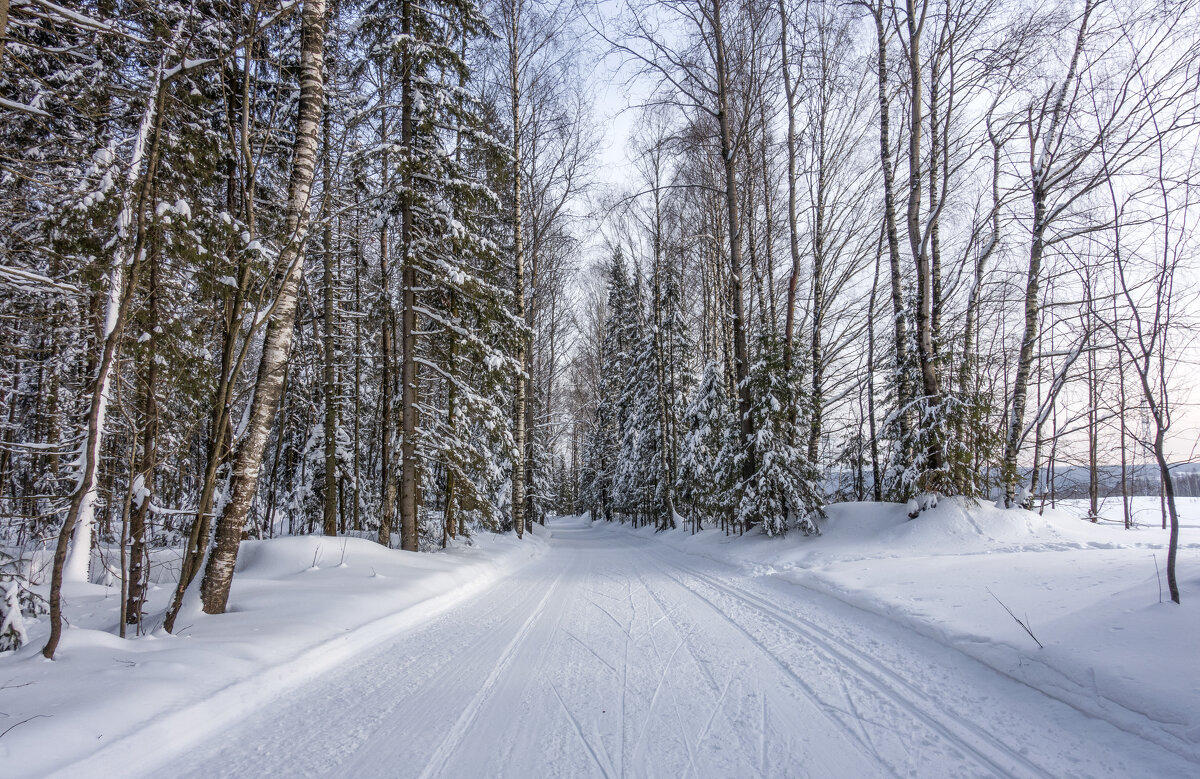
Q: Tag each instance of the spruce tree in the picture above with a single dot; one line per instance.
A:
(707, 453)
(603, 443)
(636, 476)
(782, 492)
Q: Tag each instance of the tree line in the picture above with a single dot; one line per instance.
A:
(289, 267)
(277, 267)
(889, 251)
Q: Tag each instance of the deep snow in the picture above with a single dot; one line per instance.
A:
(874, 649)
(1090, 592)
(300, 606)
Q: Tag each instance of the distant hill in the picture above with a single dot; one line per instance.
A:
(1070, 481)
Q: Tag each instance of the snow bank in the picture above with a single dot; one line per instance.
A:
(1088, 592)
(300, 606)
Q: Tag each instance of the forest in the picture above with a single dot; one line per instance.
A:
(360, 268)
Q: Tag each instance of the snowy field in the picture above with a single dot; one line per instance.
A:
(879, 648)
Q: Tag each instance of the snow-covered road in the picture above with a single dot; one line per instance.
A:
(614, 656)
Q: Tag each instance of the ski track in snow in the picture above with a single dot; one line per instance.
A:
(612, 656)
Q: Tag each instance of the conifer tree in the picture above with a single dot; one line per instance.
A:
(707, 452)
(782, 492)
(603, 444)
(636, 476)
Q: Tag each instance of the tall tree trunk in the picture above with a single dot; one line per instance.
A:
(1038, 438)
(816, 353)
(220, 430)
(900, 329)
(665, 475)
(876, 472)
(741, 357)
(518, 410)
(387, 359)
(1012, 443)
(1168, 486)
(917, 239)
(750, 218)
(360, 269)
(76, 532)
(1093, 438)
(533, 253)
(450, 518)
(272, 481)
(551, 361)
(328, 312)
(409, 473)
(1041, 168)
(1123, 404)
(967, 373)
(939, 172)
(218, 573)
(138, 579)
(768, 196)
(218, 436)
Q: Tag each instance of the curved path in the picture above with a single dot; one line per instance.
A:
(616, 656)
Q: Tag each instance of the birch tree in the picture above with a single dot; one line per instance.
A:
(277, 341)
(72, 555)
(1082, 131)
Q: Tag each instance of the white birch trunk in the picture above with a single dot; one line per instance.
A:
(277, 343)
(78, 564)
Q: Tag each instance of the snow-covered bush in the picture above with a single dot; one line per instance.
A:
(17, 603)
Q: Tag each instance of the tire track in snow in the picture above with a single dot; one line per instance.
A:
(856, 730)
(659, 670)
(706, 670)
(676, 707)
(747, 658)
(964, 735)
(604, 765)
(458, 731)
(366, 704)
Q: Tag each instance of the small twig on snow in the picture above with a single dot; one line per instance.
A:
(1019, 622)
(22, 722)
(8, 686)
(1157, 577)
